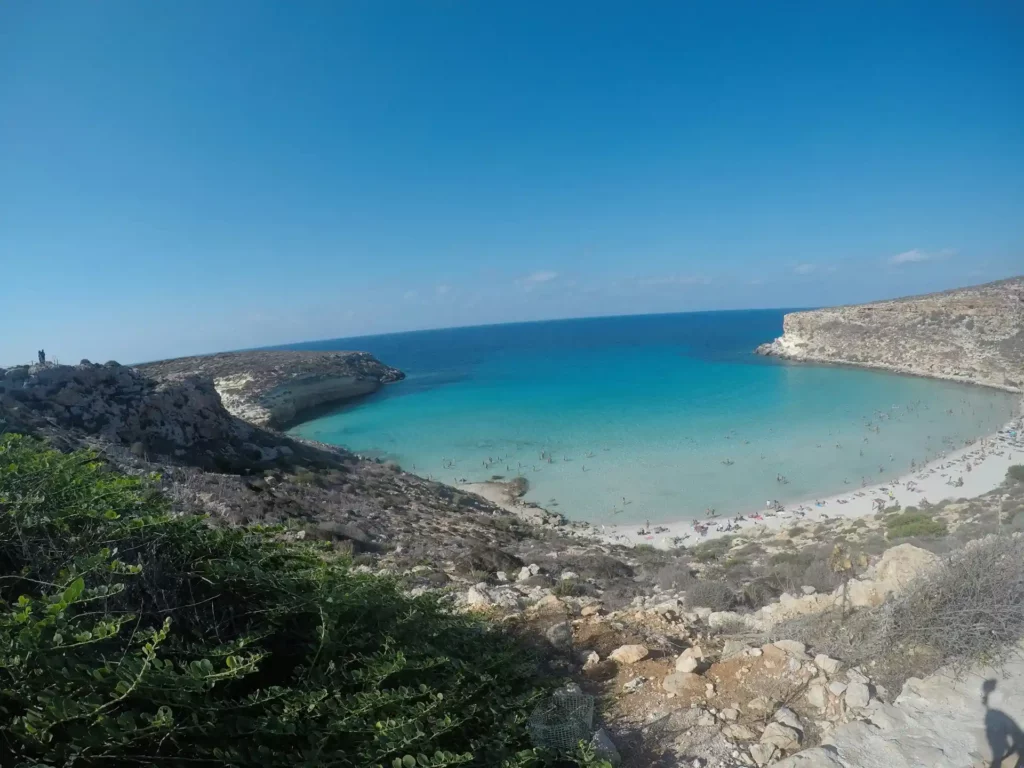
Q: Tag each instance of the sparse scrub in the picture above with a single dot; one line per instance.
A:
(970, 609)
(712, 550)
(1016, 473)
(131, 636)
(711, 594)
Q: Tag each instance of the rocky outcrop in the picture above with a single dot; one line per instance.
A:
(943, 721)
(971, 334)
(276, 388)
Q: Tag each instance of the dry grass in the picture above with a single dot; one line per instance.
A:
(970, 609)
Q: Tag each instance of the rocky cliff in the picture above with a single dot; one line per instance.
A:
(276, 388)
(973, 334)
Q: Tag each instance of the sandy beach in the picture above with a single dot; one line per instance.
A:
(962, 473)
(959, 474)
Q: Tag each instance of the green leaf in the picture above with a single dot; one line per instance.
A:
(408, 762)
(74, 590)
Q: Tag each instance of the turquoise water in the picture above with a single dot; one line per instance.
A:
(638, 418)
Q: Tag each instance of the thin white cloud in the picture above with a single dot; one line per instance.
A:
(675, 280)
(543, 276)
(409, 295)
(805, 269)
(919, 256)
(442, 289)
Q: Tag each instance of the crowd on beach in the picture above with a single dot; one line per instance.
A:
(948, 461)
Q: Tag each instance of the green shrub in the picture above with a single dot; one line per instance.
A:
(1016, 472)
(131, 637)
(913, 523)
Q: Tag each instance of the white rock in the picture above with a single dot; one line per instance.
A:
(566, 575)
(836, 688)
(730, 715)
(605, 747)
(629, 654)
(682, 682)
(808, 590)
(792, 647)
(738, 732)
(591, 660)
(763, 753)
(788, 717)
(826, 664)
(781, 736)
(686, 664)
(478, 597)
(857, 695)
(816, 695)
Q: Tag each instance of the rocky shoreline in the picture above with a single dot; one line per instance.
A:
(278, 388)
(972, 335)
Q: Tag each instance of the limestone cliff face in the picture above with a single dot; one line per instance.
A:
(973, 334)
(276, 388)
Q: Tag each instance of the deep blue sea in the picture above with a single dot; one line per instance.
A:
(657, 416)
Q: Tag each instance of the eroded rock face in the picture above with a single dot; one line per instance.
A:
(180, 415)
(276, 387)
(971, 334)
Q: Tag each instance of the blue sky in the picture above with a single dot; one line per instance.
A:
(188, 176)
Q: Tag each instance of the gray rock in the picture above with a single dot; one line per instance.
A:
(605, 747)
(857, 695)
(738, 732)
(680, 683)
(560, 635)
(793, 647)
(763, 753)
(827, 665)
(781, 736)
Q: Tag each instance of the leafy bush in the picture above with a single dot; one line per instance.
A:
(1016, 472)
(132, 637)
(913, 523)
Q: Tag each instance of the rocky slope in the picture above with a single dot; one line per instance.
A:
(971, 334)
(684, 677)
(277, 387)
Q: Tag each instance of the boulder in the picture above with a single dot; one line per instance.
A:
(629, 654)
(781, 736)
(857, 695)
(738, 732)
(816, 696)
(826, 664)
(604, 747)
(690, 659)
(478, 597)
(792, 647)
(683, 683)
(560, 635)
(902, 564)
(763, 753)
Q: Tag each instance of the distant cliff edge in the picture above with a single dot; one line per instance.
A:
(275, 388)
(973, 334)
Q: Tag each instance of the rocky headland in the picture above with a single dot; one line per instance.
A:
(276, 388)
(973, 335)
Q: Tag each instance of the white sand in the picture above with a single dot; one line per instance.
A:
(988, 459)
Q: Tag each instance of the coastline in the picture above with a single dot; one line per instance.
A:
(989, 459)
